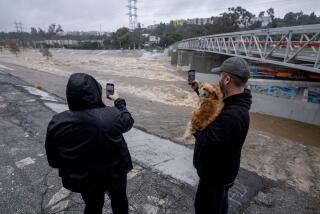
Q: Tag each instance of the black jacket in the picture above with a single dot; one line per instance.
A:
(218, 147)
(86, 142)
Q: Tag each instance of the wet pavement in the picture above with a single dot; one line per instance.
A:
(163, 179)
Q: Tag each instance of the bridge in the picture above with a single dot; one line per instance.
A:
(296, 47)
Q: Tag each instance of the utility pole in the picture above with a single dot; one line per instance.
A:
(19, 29)
(18, 26)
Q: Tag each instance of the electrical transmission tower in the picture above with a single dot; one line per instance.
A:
(19, 27)
(132, 5)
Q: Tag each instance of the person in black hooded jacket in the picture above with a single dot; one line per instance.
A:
(218, 147)
(87, 146)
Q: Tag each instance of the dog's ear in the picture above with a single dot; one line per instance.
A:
(214, 95)
(217, 92)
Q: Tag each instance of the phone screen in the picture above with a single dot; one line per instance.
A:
(191, 76)
(110, 89)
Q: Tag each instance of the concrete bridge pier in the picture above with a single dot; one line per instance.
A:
(204, 62)
(174, 57)
(184, 59)
(199, 61)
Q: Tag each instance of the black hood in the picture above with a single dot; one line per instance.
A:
(243, 99)
(83, 92)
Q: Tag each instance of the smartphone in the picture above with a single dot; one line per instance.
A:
(109, 89)
(191, 76)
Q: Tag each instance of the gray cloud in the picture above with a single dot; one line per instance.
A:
(111, 14)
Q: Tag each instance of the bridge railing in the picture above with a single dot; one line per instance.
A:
(295, 47)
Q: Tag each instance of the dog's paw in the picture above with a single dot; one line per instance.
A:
(188, 140)
(187, 136)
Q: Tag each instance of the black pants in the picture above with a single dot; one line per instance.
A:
(211, 198)
(94, 199)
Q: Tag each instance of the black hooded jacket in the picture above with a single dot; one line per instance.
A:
(86, 142)
(217, 150)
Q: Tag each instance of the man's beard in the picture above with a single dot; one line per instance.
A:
(223, 89)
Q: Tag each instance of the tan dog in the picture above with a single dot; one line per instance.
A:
(209, 107)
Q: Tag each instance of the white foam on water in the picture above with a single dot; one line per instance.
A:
(169, 94)
(151, 56)
(101, 53)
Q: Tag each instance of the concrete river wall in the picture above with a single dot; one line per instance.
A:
(287, 99)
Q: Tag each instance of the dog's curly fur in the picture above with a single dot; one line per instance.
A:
(209, 107)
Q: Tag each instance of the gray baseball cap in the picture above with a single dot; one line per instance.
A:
(235, 66)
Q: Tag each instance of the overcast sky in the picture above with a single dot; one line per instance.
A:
(86, 15)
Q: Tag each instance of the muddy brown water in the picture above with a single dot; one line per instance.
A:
(296, 131)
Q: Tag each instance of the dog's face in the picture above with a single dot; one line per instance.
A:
(208, 91)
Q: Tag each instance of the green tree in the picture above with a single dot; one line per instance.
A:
(122, 37)
(107, 43)
(313, 19)
(170, 38)
(228, 22)
(261, 14)
(290, 19)
(270, 13)
(52, 29)
(34, 31)
(59, 29)
(41, 33)
(302, 19)
(277, 22)
(242, 15)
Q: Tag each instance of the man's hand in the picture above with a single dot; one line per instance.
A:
(194, 85)
(113, 97)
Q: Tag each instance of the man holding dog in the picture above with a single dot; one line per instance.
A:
(218, 147)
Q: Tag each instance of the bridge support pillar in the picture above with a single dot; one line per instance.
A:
(184, 58)
(199, 61)
(174, 57)
(204, 62)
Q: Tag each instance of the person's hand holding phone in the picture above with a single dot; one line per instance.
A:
(113, 97)
(194, 85)
(111, 93)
